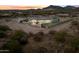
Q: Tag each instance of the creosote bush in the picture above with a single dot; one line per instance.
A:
(4, 28)
(51, 32)
(38, 37)
(60, 36)
(3, 31)
(20, 36)
(12, 46)
(16, 42)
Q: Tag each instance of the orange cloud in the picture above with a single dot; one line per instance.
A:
(6, 7)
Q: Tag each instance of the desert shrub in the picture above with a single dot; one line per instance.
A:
(74, 23)
(23, 40)
(40, 33)
(21, 37)
(51, 32)
(30, 34)
(12, 46)
(2, 34)
(40, 50)
(72, 45)
(75, 43)
(35, 49)
(4, 28)
(16, 42)
(68, 49)
(38, 37)
(75, 26)
(3, 31)
(43, 26)
(60, 36)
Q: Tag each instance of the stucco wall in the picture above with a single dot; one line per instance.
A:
(33, 22)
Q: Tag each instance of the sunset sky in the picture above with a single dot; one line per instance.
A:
(28, 4)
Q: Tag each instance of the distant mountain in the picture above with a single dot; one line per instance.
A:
(70, 7)
(59, 7)
(52, 9)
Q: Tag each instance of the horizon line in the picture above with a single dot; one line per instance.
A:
(21, 7)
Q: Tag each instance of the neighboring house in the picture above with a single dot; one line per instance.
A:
(40, 20)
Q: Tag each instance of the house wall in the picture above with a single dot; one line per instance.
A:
(44, 21)
(33, 22)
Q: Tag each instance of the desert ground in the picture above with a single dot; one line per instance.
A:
(15, 25)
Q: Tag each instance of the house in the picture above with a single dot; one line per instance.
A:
(40, 20)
